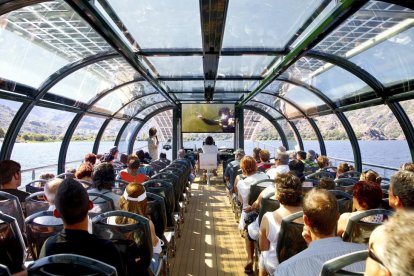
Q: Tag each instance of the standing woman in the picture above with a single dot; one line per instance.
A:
(153, 143)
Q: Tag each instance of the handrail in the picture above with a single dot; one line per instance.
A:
(366, 164)
(33, 170)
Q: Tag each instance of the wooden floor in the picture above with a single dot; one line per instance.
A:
(210, 242)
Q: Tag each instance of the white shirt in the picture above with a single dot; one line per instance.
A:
(153, 148)
(209, 149)
(273, 172)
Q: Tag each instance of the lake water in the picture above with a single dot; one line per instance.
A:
(386, 153)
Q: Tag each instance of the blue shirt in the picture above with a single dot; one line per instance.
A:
(311, 260)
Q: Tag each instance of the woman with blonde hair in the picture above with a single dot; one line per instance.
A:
(370, 175)
(134, 200)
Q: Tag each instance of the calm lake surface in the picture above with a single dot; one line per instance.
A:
(387, 153)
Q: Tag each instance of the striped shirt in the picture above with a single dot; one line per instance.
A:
(311, 260)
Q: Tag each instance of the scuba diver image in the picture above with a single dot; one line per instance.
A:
(208, 118)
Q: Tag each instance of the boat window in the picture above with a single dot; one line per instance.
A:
(178, 66)
(40, 126)
(8, 111)
(86, 83)
(258, 131)
(221, 140)
(309, 138)
(408, 107)
(287, 129)
(109, 135)
(161, 24)
(305, 99)
(185, 86)
(49, 31)
(126, 135)
(272, 112)
(336, 140)
(272, 24)
(149, 109)
(336, 83)
(83, 139)
(243, 66)
(373, 125)
(135, 106)
(281, 105)
(235, 85)
(379, 38)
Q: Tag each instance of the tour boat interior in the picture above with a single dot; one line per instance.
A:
(77, 77)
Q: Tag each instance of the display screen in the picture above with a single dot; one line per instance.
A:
(211, 118)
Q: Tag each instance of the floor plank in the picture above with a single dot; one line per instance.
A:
(210, 243)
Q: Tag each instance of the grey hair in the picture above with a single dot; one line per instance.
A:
(398, 244)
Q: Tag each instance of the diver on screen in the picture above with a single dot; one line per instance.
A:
(225, 120)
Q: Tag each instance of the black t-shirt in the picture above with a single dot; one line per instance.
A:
(20, 194)
(80, 242)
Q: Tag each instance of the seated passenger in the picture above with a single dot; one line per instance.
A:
(72, 205)
(391, 247)
(134, 172)
(91, 158)
(370, 175)
(326, 183)
(209, 146)
(46, 176)
(134, 200)
(320, 216)
(11, 179)
(50, 191)
(301, 155)
(142, 158)
(256, 152)
(281, 165)
(163, 158)
(242, 187)
(228, 173)
(84, 172)
(289, 195)
(103, 180)
(310, 164)
(107, 158)
(297, 167)
(342, 168)
(322, 162)
(367, 195)
(407, 167)
(264, 164)
(401, 190)
(124, 160)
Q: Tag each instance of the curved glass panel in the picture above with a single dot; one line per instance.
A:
(305, 99)
(195, 140)
(309, 138)
(115, 100)
(8, 110)
(151, 109)
(245, 66)
(272, 24)
(86, 83)
(131, 109)
(190, 96)
(379, 38)
(185, 86)
(178, 66)
(380, 136)
(266, 109)
(83, 138)
(287, 109)
(260, 132)
(109, 135)
(235, 86)
(338, 84)
(41, 134)
(163, 123)
(37, 40)
(334, 135)
(161, 24)
(408, 107)
(290, 136)
(126, 135)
